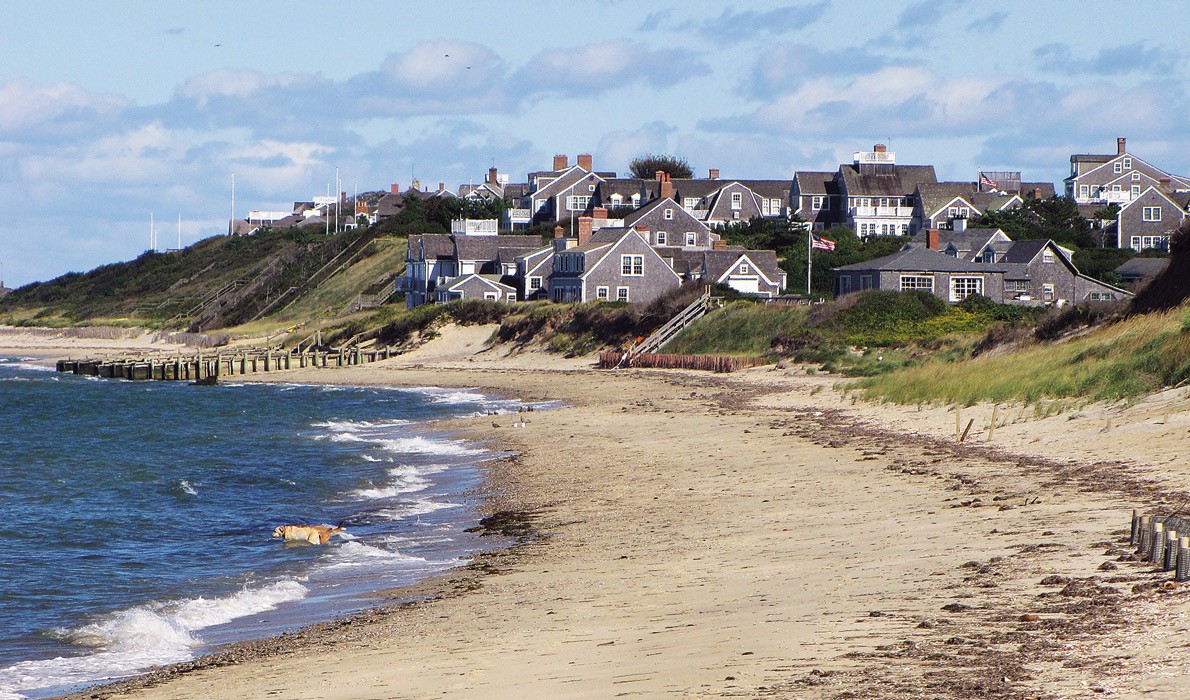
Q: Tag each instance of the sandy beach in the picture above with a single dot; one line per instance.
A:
(760, 534)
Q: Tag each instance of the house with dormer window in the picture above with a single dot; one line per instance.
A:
(878, 195)
(663, 222)
(611, 264)
(1101, 179)
(1148, 220)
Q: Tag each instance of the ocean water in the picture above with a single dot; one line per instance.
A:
(136, 518)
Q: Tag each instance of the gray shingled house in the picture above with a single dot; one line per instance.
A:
(746, 271)
(1150, 218)
(613, 264)
(475, 286)
(926, 269)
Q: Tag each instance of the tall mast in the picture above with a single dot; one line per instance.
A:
(231, 226)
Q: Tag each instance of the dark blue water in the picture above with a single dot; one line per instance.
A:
(136, 518)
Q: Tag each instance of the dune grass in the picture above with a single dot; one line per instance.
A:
(740, 328)
(1120, 361)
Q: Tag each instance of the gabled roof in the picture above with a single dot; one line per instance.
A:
(921, 260)
(971, 240)
(567, 180)
(657, 205)
(604, 236)
(490, 280)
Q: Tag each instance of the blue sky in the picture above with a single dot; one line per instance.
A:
(110, 112)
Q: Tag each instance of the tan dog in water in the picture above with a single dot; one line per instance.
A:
(314, 534)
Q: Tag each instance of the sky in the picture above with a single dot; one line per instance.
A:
(116, 114)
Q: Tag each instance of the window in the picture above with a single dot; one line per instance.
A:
(534, 283)
(1135, 191)
(1156, 242)
(1127, 163)
(865, 282)
(621, 294)
(1135, 243)
(578, 203)
(816, 203)
(691, 238)
(1102, 296)
(669, 214)
(844, 285)
(1016, 286)
(910, 282)
(904, 229)
(491, 296)
(632, 265)
(690, 202)
(591, 188)
(1084, 191)
(616, 199)
(1115, 188)
(1151, 214)
(1136, 177)
(963, 287)
(737, 200)
(1118, 167)
(601, 293)
(1047, 292)
(661, 238)
(1047, 256)
(744, 269)
(511, 296)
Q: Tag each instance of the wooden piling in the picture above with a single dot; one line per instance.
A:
(1157, 552)
(1182, 569)
(1169, 562)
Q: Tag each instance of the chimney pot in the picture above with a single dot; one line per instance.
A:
(714, 174)
(1121, 146)
(560, 162)
(660, 174)
(585, 162)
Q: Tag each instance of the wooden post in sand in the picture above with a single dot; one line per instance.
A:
(1157, 552)
(1182, 570)
(1170, 561)
(992, 425)
(967, 429)
(1144, 535)
(1135, 539)
(958, 421)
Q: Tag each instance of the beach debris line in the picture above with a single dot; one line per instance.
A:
(711, 363)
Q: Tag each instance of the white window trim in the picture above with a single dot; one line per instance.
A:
(603, 293)
(1148, 215)
(914, 285)
(691, 238)
(534, 283)
(622, 294)
(635, 264)
(966, 283)
(662, 239)
(668, 215)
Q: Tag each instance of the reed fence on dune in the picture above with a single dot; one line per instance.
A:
(709, 363)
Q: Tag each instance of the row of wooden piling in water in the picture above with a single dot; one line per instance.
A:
(1163, 541)
(710, 363)
(208, 366)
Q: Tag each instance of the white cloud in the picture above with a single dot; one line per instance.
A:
(605, 66)
(28, 107)
(437, 67)
(228, 82)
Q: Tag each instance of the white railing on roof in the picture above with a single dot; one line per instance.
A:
(881, 211)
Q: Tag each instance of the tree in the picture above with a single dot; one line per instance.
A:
(645, 167)
(1056, 218)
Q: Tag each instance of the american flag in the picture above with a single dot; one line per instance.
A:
(989, 183)
(822, 243)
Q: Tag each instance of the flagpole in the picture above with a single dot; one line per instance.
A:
(809, 258)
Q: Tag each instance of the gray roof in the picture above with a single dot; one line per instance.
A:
(813, 182)
(1140, 268)
(921, 260)
(489, 247)
(431, 246)
(901, 181)
(1025, 251)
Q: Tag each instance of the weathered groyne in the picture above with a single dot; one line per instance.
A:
(204, 366)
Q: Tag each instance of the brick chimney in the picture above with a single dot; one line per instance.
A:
(493, 175)
(441, 186)
(585, 162)
(599, 214)
(932, 241)
(880, 148)
(641, 228)
(585, 229)
(559, 232)
(1166, 184)
(714, 174)
(342, 197)
(560, 162)
(667, 187)
(660, 175)
(1121, 146)
(718, 244)
(394, 188)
